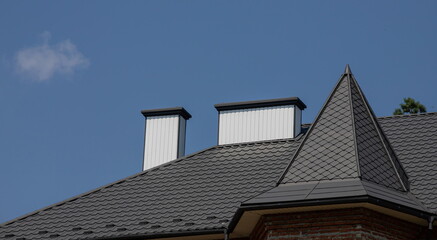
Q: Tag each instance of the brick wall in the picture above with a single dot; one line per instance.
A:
(344, 224)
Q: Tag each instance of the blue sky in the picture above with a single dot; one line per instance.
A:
(74, 75)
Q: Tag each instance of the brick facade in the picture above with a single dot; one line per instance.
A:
(344, 224)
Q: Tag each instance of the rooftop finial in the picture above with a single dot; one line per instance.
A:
(347, 70)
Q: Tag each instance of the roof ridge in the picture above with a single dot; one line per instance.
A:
(103, 187)
(261, 142)
(392, 116)
(354, 125)
(408, 115)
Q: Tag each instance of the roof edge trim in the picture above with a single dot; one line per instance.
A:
(166, 235)
(343, 200)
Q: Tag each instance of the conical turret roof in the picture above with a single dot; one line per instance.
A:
(344, 157)
(346, 142)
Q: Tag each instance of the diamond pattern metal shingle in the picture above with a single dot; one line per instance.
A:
(347, 118)
(346, 142)
(375, 165)
(328, 151)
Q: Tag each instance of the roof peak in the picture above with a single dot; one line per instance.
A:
(347, 69)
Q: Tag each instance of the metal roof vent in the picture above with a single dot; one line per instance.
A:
(259, 120)
(164, 136)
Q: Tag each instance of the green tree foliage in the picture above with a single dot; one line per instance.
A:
(410, 106)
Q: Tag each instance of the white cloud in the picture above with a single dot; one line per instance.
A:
(43, 61)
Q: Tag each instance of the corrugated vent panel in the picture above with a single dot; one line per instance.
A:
(161, 140)
(256, 124)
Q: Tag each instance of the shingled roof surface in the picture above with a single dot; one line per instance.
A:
(196, 193)
(346, 142)
(345, 155)
(202, 190)
(414, 139)
(346, 188)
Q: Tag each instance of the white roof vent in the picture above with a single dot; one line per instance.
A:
(164, 136)
(259, 120)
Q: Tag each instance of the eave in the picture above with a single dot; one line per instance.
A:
(247, 216)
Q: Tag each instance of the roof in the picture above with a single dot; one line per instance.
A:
(346, 142)
(345, 154)
(414, 139)
(201, 192)
(306, 191)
